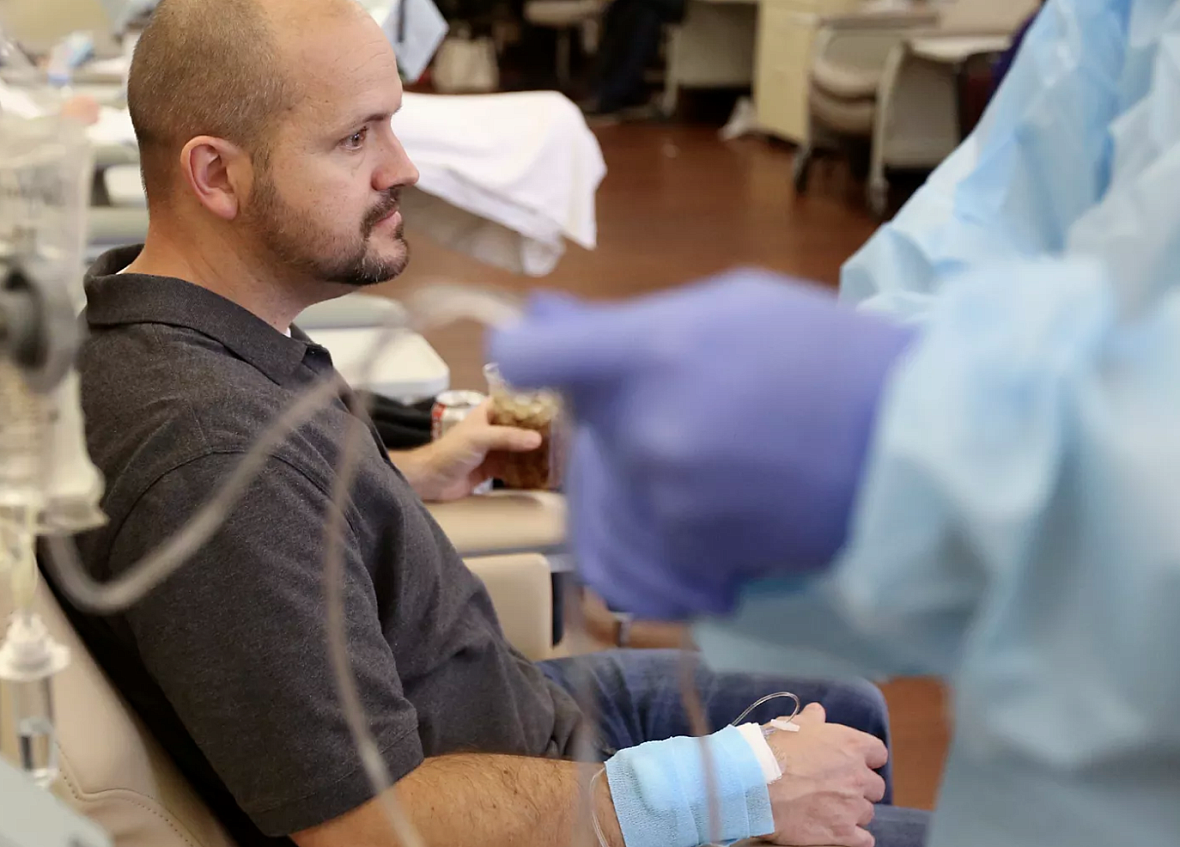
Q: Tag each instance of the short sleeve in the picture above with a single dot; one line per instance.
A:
(236, 641)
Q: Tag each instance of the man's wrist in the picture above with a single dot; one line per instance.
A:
(756, 738)
(602, 807)
(417, 467)
(623, 623)
(660, 796)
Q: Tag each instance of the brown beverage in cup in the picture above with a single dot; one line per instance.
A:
(536, 410)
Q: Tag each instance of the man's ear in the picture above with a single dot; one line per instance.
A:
(218, 173)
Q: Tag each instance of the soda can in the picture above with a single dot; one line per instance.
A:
(449, 408)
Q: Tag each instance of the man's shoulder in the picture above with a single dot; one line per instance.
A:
(135, 373)
(157, 396)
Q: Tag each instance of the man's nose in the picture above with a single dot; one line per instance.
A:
(395, 168)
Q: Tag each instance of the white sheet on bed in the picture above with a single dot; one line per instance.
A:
(516, 173)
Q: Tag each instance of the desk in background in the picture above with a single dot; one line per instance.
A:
(765, 44)
(713, 47)
(786, 34)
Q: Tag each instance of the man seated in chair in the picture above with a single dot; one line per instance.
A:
(273, 178)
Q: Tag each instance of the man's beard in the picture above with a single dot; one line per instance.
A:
(296, 242)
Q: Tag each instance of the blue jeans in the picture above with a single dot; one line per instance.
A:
(637, 694)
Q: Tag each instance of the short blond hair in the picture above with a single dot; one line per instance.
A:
(204, 67)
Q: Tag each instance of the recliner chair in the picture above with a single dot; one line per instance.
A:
(888, 80)
(115, 773)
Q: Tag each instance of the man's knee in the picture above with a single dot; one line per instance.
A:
(861, 704)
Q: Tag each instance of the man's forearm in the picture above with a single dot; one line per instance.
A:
(507, 801)
(414, 465)
(492, 801)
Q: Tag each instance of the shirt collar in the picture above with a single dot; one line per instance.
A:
(115, 299)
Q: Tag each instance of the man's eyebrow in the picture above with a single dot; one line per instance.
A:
(374, 118)
(377, 117)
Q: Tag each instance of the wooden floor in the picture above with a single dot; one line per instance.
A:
(921, 735)
(679, 204)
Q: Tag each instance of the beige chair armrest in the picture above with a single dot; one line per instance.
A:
(985, 17)
(521, 589)
(851, 50)
(953, 49)
(849, 63)
(503, 522)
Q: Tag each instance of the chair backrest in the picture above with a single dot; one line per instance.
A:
(984, 17)
(113, 771)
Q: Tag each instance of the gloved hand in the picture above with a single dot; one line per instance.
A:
(721, 431)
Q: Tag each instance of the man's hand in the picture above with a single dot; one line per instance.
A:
(470, 453)
(828, 788)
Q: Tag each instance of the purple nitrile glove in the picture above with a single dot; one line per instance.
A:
(721, 431)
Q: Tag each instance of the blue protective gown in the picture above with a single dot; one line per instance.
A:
(1018, 530)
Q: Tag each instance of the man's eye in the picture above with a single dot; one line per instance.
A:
(355, 140)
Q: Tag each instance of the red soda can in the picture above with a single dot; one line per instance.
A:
(449, 408)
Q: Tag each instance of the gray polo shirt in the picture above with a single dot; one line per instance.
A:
(226, 660)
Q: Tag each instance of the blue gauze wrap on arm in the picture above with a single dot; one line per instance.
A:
(659, 791)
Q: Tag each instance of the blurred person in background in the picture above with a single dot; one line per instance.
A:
(631, 33)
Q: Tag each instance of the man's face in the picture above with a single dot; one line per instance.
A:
(324, 202)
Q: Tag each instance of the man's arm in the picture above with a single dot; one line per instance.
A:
(825, 796)
(234, 641)
(485, 800)
(469, 454)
